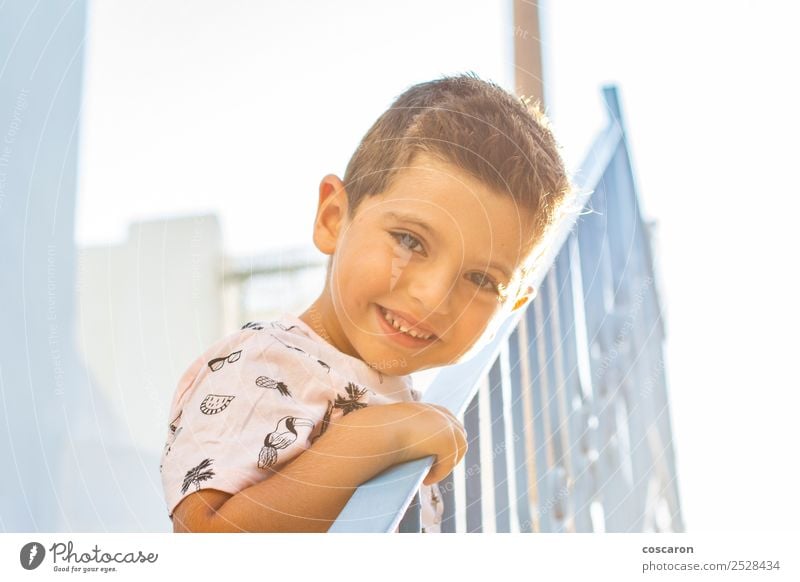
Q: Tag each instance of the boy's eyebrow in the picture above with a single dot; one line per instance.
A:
(413, 219)
(424, 226)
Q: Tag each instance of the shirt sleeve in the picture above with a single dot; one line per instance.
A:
(243, 409)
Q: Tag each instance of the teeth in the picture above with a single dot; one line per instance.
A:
(413, 333)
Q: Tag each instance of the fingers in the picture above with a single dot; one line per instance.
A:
(452, 417)
(456, 448)
(446, 411)
(438, 432)
(459, 439)
(460, 433)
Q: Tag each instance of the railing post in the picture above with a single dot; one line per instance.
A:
(542, 454)
(520, 434)
(499, 444)
(472, 464)
(412, 520)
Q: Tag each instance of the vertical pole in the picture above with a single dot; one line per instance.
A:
(472, 461)
(41, 69)
(527, 50)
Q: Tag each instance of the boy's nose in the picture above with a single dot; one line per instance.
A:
(432, 289)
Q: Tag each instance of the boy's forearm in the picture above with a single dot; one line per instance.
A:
(309, 492)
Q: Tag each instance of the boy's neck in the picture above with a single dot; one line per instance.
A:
(317, 325)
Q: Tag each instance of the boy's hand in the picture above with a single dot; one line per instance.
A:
(429, 429)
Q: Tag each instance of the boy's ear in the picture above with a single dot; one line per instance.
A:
(523, 297)
(331, 213)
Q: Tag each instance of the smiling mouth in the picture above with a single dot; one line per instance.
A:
(398, 324)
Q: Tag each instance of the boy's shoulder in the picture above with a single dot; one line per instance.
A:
(286, 336)
(283, 350)
(265, 346)
(279, 340)
(302, 341)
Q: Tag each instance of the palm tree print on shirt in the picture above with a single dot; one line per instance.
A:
(346, 403)
(326, 420)
(266, 382)
(197, 475)
(350, 402)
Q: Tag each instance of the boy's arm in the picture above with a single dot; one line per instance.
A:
(309, 492)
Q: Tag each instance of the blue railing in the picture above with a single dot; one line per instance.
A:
(566, 409)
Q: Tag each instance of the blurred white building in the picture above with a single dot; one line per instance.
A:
(147, 307)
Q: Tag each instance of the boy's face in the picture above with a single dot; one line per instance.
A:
(438, 246)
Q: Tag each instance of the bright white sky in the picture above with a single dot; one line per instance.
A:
(240, 108)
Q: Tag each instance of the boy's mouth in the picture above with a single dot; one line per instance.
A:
(400, 329)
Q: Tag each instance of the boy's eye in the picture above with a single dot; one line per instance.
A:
(408, 241)
(413, 244)
(481, 281)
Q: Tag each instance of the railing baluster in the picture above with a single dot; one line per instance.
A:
(558, 285)
(522, 464)
(511, 441)
(447, 489)
(584, 435)
(472, 463)
(541, 422)
(526, 338)
(487, 473)
(570, 393)
(411, 522)
(498, 449)
(459, 477)
(591, 241)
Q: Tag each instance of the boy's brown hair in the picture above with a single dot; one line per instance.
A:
(502, 140)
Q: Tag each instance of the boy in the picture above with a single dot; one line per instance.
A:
(430, 234)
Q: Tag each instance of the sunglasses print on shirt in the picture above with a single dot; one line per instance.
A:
(217, 363)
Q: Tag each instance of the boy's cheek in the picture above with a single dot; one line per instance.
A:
(373, 267)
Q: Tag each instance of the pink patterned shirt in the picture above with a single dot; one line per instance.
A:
(261, 396)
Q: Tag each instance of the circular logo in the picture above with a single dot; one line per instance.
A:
(31, 555)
